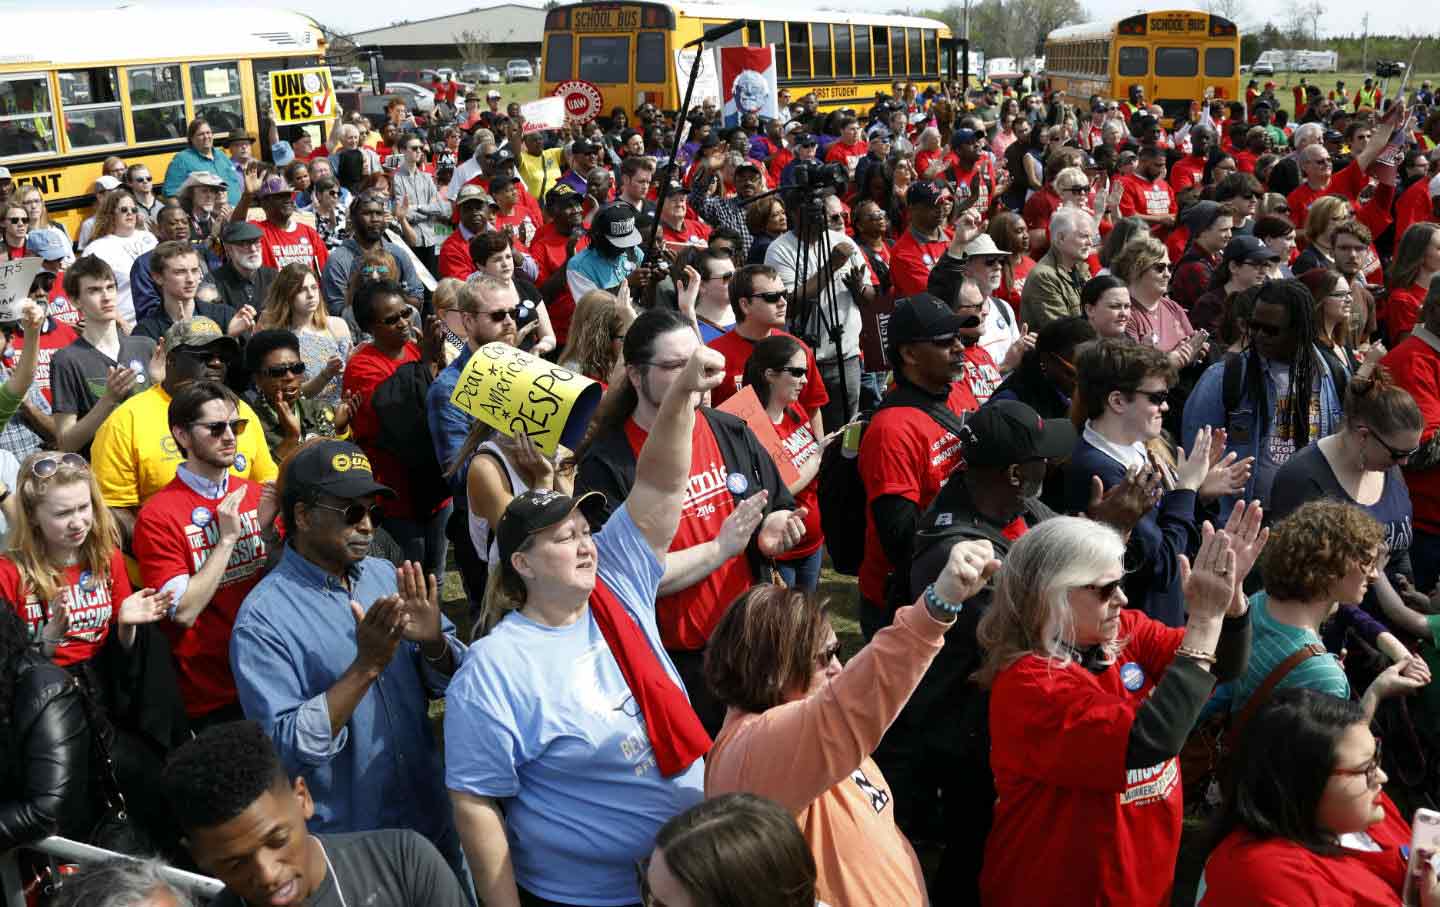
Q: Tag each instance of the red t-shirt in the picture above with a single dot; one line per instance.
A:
(800, 443)
(905, 452)
(61, 308)
(303, 244)
(694, 232)
(1138, 196)
(1277, 872)
(923, 160)
(367, 369)
(1245, 162)
(911, 259)
(1186, 172)
(15, 252)
(981, 373)
(1399, 310)
(963, 178)
(1414, 206)
(849, 155)
(53, 338)
(455, 260)
(737, 349)
(688, 617)
(1058, 741)
(93, 602)
(174, 534)
(1010, 290)
(518, 223)
(1348, 182)
(1416, 368)
(1040, 207)
(548, 250)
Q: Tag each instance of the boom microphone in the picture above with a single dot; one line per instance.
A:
(711, 35)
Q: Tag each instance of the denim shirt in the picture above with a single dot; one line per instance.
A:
(449, 424)
(293, 639)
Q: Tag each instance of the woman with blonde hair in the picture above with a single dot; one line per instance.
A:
(294, 303)
(446, 300)
(1156, 319)
(597, 332)
(33, 199)
(1325, 214)
(119, 239)
(1091, 702)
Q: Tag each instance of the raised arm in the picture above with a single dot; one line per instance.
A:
(663, 467)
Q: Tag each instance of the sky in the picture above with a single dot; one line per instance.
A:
(1338, 18)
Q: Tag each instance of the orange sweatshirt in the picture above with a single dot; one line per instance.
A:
(812, 756)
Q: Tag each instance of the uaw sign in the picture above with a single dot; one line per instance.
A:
(520, 394)
(302, 95)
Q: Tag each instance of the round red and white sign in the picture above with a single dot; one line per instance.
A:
(582, 100)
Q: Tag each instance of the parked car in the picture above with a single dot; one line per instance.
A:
(1262, 68)
(481, 74)
(418, 98)
(519, 71)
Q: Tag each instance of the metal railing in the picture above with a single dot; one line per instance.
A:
(201, 887)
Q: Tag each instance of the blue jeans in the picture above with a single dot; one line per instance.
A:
(872, 390)
(802, 573)
(423, 542)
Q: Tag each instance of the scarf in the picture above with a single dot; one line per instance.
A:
(675, 732)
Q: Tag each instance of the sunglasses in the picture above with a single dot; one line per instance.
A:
(280, 371)
(1106, 591)
(397, 318)
(18, 220)
(500, 316)
(126, 210)
(1160, 267)
(217, 429)
(1396, 454)
(1158, 398)
(827, 655)
(772, 298)
(794, 371)
(203, 354)
(726, 277)
(1269, 330)
(356, 512)
(1078, 190)
(46, 466)
(142, 179)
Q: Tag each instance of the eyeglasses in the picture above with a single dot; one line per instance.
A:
(46, 466)
(1161, 267)
(1078, 190)
(723, 278)
(142, 179)
(499, 317)
(217, 429)
(1395, 453)
(130, 210)
(1269, 330)
(827, 655)
(1105, 591)
(18, 220)
(1345, 295)
(834, 218)
(1371, 769)
(794, 371)
(280, 371)
(1158, 398)
(772, 297)
(398, 317)
(356, 512)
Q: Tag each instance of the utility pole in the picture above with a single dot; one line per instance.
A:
(1317, 11)
(1365, 43)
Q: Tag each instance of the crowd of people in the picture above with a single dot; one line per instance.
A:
(1127, 428)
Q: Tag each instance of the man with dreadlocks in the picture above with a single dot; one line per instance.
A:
(1276, 396)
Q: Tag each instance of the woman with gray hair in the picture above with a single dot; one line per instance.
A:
(121, 883)
(1090, 703)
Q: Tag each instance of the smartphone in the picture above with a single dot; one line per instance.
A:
(1424, 837)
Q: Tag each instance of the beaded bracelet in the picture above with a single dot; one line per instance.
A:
(933, 599)
(1197, 654)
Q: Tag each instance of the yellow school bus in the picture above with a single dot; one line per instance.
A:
(627, 50)
(1173, 54)
(126, 82)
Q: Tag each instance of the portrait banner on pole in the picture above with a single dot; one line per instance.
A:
(748, 78)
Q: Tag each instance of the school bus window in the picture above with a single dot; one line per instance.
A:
(1134, 61)
(932, 38)
(1176, 61)
(1219, 61)
(820, 49)
(605, 60)
(734, 39)
(215, 88)
(27, 125)
(91, 100)
(157, 103)
(917, 63)
(752, 33)
(862, 50)
(557, 57)
(650, 57)
(799, 49)
(775, 34)
(897, 51)
(880, 38)
(844, 63)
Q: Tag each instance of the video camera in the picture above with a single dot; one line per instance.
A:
(811, 180)
(1387, 69)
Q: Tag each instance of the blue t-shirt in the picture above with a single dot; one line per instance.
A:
(541, 718)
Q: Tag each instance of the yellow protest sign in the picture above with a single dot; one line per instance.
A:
(517, 393)
(301, 95)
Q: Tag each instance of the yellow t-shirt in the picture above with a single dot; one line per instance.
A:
(134, 454)
(541, 172)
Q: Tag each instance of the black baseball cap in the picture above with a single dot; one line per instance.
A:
(584, 146)
(501, 183)
(535, 511)
(1003, 432)
(924, 192)
(334, 467)
(922, 317)
(616, 222)
(1249, 250)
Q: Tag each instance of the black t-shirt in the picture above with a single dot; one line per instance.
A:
(391, 867)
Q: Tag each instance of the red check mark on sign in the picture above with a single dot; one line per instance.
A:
(321, 103)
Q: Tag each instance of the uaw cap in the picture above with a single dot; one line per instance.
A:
(562, 196)
(1003, 432)
(107, 182)
(338, 468)
(922, 317)
(240, 231)
(501, 156)
(534, 511)
(983, 246)
(274, 185)
(924, 192)
(1249, 250)
(46, 244)
(617, 224)
(198, 333)
(471, 192)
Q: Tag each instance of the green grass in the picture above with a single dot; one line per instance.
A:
(1326, 81)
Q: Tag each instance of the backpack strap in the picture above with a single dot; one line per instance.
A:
(937, 410)
(1272, 680)
(1232, 385)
